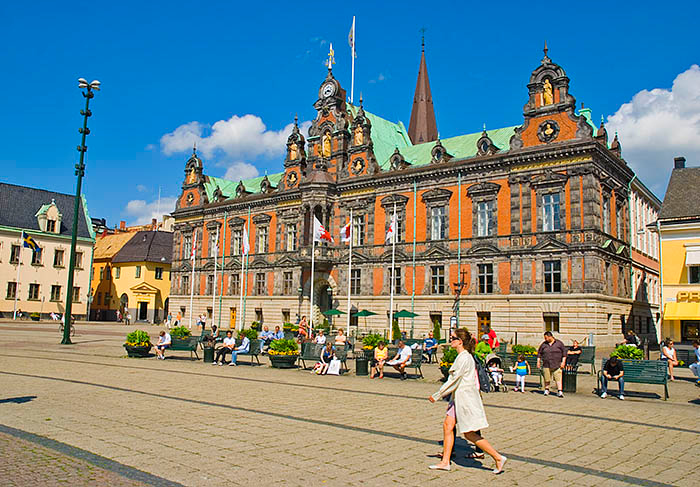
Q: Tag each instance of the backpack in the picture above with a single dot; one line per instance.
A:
(483, 375)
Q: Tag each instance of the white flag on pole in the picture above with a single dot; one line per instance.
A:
(351, 38)
(346, 232)
(245, 244)
(193, 254)
(391, 232)
(320, 233)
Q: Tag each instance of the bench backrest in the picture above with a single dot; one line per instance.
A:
(647, 371)
(341, 354)
(311, 350)
(416, 356)
(510, 359)
(587, 355)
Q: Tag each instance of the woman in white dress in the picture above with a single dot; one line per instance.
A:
(465, 408)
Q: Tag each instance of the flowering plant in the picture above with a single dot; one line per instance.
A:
(524, 349)
(448, 357)
(138, 338)
(284, 347)
(627, 352)
(180, 332)
(369, 342)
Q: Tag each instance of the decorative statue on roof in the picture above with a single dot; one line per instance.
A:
(359, 136)
(192, 176)
(293, 152)
(326, 144)
(547, 95)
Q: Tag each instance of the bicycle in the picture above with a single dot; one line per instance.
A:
(72, 329)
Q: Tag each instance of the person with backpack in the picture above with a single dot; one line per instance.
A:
(465, 411)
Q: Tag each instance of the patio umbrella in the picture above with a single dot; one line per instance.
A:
(334, 312)
(405, 314)
(365, 313)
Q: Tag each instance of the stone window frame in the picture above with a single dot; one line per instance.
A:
(11, 290)
(185, 284)
(486, 275)
(435, 198)
(78, 260)
(485, 192)
(356, 282)
(556, 219)
(433, 275)
(548, 183)
(234, 287)
(55, 293)
(211, 231)
(262, 221)
(388, 204)
(553, 272)
(260, 283)
(58, 262)
(15, 252)
(33, 296)
(294, 228)
(288, 283)
(211, 284)
(235, 226)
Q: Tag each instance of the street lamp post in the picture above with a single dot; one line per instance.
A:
(80, 172)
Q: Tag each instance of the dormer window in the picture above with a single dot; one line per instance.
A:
(51, 226)
(49, 218)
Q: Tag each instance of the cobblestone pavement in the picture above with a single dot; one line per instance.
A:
(195, 424)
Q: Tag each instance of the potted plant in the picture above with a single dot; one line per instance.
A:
(180, 334)
(448, 358)
(524, 349)
(255, 325)
(251, 333)
(369, 343)
(35, 316)
(138, 344)
(628, 352)
(283, 353)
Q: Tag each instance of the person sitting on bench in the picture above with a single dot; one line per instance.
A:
(572, 356)
(402, 359)
(243, 348)
(229, 345)
(164, 342)
(265, 338)
(613, 370)
(430, 346)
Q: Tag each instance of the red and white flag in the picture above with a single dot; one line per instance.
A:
(391, 232)
(346, 232)
(320, 233)
(193, 254)
(245, 244)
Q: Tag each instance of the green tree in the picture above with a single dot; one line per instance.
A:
(436, 330)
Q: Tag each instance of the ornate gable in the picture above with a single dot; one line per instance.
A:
(362, 160)
(397, 161)
(193, 193)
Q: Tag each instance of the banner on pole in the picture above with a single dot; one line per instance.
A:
(346, 232)
(320, 233)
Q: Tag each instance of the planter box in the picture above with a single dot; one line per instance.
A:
(283, 361)
(35, 318)
(445, 371)
(138, 352)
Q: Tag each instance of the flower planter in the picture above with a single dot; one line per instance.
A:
(138, 351)
(445, 371)
(283, 361)
(35, 317)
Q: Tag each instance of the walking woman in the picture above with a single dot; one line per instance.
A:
(465, 408)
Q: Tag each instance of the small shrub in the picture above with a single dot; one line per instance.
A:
(448, 357)
(35, 316)
(255, 325)
(284, 347)
(251, 333)
(371, 341)
(524, 349)
(627, 352)
(138, 338)
(436, 330)
(290, 327)
(180, 332)
(395, 330)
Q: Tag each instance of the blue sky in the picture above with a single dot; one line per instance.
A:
(179, 68)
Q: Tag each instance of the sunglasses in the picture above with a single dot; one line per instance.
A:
(453, 339)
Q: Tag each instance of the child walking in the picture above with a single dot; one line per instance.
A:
(522, 368)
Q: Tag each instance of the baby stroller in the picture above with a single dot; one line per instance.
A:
(494, 367)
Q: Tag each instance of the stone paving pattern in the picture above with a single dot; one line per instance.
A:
(196, 424)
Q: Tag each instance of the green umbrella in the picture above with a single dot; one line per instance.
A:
(364, 312)
(334, 312)
(404, 314)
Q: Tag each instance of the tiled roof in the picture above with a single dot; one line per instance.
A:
(682, 198)
(107, 246)
(19, 206)
(147, 246)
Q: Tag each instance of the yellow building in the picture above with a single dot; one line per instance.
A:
(135, 279)
(103, 307)
(679, 229)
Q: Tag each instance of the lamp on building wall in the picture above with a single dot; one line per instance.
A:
(80, 172)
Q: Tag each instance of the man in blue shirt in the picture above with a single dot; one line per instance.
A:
(278, 334)
(265, 338)
(244, 348)
(430, 346)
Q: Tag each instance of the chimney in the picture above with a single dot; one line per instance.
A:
(122, 225)
(678, 162)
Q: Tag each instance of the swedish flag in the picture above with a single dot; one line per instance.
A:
(30, 243)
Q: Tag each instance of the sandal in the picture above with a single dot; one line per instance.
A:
(474, 455)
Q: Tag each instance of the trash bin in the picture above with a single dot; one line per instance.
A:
(361, 366)
(569, 379)
(208, 355)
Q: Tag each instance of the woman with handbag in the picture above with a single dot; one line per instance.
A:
(465, 409)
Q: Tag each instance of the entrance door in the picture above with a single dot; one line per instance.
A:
(484, 320)
(232, 322)
(143, 312)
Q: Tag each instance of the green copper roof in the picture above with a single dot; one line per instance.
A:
(386, 135)
(228, 188)
(43, 209)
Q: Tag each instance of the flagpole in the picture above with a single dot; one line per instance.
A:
(391, 284)
(19, 262)
(350, 261)
(413, 286)
(352, 82)
(311, 300)
(223, 266)
(194, 261)
(213, 291)
(247, 257)
(240, 305)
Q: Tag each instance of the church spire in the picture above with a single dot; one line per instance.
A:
(422, 127)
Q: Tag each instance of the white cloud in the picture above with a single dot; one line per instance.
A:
(241, 170)
(141, 188)
(141, 212)
(657, 125)
(227, 142)
(150, 147)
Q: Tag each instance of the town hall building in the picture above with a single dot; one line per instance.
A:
(523, 228)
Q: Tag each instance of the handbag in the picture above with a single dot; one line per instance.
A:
(334, 367)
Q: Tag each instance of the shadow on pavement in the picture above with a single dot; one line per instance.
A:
(18, 400)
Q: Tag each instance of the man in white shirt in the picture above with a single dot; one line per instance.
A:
(229, 345)
(402, 359)
(244, 348)
(320, 338)
(164, 342)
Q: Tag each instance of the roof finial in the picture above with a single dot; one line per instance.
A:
(360, 99)
(545, 59)
(422, 39)
(484, 126)
(194, 148)
(296, 119)
(602, 120)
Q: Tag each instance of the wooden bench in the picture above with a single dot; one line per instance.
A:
(188, 344)
(587, 357)
(416, 359)
(253, 350)
(685, 356)
(312, 352)
(642, 372)
(510, 359)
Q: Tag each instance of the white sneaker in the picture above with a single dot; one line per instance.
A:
(221, 363)
(546, 392)
(232, 364)
(604, 395)
(213, 363)
(621, 397)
